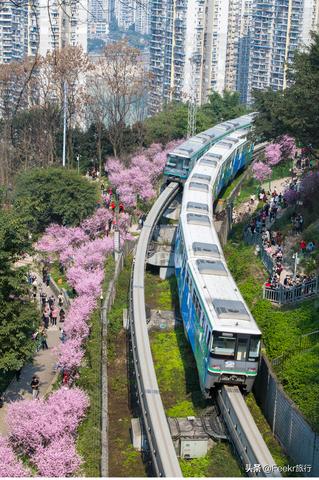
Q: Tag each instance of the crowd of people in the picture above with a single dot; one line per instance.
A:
(272, 241)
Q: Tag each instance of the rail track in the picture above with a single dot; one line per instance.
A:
(249, 444)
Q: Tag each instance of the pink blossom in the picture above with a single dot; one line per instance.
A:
(288, 146)
(273, 154)
(33, 423)
(261, 171)
(71, 354)
(10, 466)
(59, 459)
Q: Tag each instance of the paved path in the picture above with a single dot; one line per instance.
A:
(43, 365)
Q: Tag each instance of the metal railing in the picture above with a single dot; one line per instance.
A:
(285, 295)
(281, 294)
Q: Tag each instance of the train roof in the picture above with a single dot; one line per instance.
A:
(219, 295)
(193, 144)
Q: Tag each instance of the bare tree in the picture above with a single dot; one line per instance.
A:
(122, 75)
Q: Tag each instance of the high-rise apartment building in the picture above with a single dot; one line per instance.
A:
(278, 28)
(98, 18)
(62, 23)
(18, 30)
(132, 13)
(34, 27)
(197, 46)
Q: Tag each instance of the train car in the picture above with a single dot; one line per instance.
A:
(182, 159)
(218, 324)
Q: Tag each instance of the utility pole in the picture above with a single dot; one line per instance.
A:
(65, 106)
(192, 106)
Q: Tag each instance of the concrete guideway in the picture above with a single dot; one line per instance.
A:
(251, 447)
(162, 450)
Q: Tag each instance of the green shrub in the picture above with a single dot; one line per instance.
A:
(54, 195)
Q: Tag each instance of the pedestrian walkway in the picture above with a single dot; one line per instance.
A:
(43, 365)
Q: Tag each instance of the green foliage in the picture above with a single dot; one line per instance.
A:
(176, 373)
(18, 318)
(219, 462)
(54, 195)
(294, 110)
(171, 123)
(281, 329)
(89, 433)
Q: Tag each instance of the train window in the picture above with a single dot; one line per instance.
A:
(197, 219)
(211, 267)
(223, 346)
(206, 249)
(172, 160)
(201, 176)
(201, 318)
(230, 309)
(198, 186)
(254, 348)
(197, 206)
(209, 163)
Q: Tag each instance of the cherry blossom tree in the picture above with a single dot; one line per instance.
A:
(287, 146)
(59, 459)
(273, 154)
(10, 465)
(261, 171)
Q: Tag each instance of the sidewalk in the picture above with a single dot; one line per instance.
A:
(43, 365)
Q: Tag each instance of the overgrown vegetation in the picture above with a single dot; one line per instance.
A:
(160, 294)
(219, 462)
(281, 327)
(89, 433)
(124, 461)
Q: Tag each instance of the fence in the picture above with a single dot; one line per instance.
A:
(296, 436)
(284, 295)
(107, 304)
(255, 239)
(281, 294)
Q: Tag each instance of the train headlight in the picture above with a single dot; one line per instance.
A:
(252, 369)
(216, 367)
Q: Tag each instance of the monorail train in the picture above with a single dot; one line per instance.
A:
(221, 330)
(182, 159)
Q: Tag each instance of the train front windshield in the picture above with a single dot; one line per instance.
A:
(174, 161)
(238, 347)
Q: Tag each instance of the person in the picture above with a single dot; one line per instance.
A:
(1, 400)
(62, 335)
(54, 315)
(35, 382)
(62, 315)
(303, 246)
(112, 206)
(310, 247)
(51, 301)
(60, 299)
(44, 274)
(121, 208)
(43, 296)
(48, 280)
(43, 337)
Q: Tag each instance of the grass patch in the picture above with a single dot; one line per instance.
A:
(219, 462)
(281, 328)
(176, 373)
(160, 294)
(89, 433)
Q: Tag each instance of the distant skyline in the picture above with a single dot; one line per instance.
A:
(195, 46)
